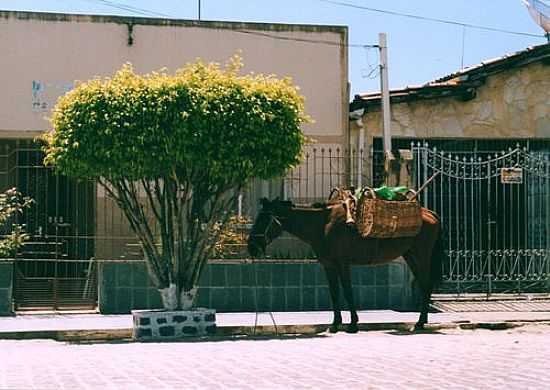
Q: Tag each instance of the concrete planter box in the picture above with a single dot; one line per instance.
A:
(161, 325)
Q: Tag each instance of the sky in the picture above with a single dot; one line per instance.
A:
(418, 50)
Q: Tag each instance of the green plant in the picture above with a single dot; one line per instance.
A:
(12, 203)
(231, 237)
(184, 146)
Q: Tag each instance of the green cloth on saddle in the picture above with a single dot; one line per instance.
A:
(391, 193)
(388, 193)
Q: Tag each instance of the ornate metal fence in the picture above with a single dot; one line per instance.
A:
(496, 211)
(322, 168)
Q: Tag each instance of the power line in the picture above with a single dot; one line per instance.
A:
(124, 7)
(371, 72)
(145, 12)
(425, 18)
(317, 41)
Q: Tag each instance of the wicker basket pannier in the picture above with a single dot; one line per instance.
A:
(378, 218)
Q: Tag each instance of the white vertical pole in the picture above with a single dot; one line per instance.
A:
(240, 205)
(384, 84)
(360, 147)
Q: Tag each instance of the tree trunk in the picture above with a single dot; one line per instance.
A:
(187, 298)
(169, 297)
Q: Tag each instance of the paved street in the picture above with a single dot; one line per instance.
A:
(450, 359)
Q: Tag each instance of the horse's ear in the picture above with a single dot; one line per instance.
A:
(264, 202)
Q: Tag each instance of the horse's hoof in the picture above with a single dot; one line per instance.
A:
(333, 329)
(418, 326)
(352, 328)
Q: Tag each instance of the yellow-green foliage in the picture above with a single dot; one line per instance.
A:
(12, 203)
(232, 237)
(204, 122)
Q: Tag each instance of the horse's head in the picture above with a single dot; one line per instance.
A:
(268, 225)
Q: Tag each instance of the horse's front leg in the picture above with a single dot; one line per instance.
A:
(334, 288)
(345, 277)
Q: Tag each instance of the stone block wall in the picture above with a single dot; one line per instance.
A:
(234, 287)
(512, 104)
(166, 325)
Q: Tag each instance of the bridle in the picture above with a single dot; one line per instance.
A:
(273, 221)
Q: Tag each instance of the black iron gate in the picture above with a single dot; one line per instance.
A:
(496, 210)
(54, 269)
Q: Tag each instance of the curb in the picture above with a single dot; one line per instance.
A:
(78, 335)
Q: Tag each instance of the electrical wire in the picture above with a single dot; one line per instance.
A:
(124, 7)
(145, 12)
(318, 41)
(371, 72)
(428, 19)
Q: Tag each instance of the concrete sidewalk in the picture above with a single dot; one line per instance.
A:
(61, 326)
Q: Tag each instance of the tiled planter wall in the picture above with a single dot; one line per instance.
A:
(233, 287)
(6, 287)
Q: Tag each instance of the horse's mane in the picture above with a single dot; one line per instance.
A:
(309, 206)
(317, 205)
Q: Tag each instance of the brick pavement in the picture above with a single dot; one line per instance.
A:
(63, 321)
(449, 359)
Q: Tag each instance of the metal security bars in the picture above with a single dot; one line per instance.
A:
(73, 225)
(55, 268)
(496, 211)
(498, 231)
(322, 168)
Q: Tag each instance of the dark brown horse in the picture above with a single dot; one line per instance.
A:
(338, 246)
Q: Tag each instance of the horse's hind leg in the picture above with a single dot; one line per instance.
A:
(345, 277)
(424, 258)
(422, 278)
(334, 288)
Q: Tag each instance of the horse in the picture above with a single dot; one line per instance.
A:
(338, 246)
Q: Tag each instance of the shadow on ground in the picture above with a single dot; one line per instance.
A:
(415, 332)
(209, 339)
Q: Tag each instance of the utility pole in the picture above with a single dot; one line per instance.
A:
(385, 94)
(199, 10)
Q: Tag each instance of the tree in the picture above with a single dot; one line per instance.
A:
(182, 146)
(12, 203)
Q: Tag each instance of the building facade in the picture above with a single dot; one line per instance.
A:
(81, 253)
(506, 98)
(484, 132)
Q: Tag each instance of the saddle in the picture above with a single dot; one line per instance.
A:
(374, 216)
(348, 200)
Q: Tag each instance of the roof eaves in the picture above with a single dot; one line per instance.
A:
(528, 55)
(462, 83)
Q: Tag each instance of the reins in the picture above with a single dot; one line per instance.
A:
(274, 220)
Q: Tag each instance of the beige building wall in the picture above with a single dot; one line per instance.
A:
(43, 55)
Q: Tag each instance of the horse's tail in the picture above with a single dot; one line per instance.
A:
(438, 254)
